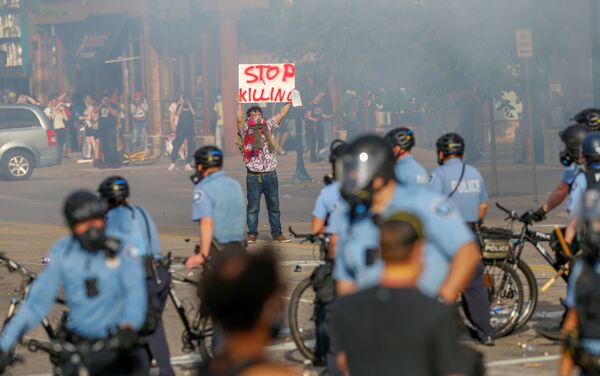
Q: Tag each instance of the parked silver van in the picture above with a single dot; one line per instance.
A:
(27, 141)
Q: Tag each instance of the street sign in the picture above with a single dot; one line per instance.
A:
(524, 44)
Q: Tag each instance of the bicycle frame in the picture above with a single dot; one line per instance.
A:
(535, 238)
(27, 278)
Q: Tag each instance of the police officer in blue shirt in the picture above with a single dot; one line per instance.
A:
(134, 225)
(572, 137)
(103, 285)
(408, 170)
(465, 187)
(367, 183)
(329, 197)
(327, 203)
(218, 205)
(590, 157)
(581, 325)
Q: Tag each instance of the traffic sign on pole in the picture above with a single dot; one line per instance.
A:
(524, 44)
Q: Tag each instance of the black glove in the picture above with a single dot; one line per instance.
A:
(127, 339)
(534, 216)
(5, 361)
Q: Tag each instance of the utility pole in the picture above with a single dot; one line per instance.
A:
(595, 39)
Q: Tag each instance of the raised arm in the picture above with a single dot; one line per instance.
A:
(240, 114)
(282, 113)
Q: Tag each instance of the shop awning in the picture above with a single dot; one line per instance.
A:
(99, 35)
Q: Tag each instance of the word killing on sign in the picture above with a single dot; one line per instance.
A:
(266, 82)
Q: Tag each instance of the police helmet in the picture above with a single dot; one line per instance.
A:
(208, 156)
(590, 147)
(114, 188)
(83, 205)
(403, 137)
(572, 136)
(589, 117)
(367, 157)
(451, 144)
(589, 223)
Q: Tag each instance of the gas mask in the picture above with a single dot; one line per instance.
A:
(92, 240)
(197, 176)
(565, 158)
(360, 204)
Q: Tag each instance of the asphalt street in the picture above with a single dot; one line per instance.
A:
(31, 220)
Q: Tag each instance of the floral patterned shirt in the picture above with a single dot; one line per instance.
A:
(264, 161)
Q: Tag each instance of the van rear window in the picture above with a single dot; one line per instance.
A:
(11, 118)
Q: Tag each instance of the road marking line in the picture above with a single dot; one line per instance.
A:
(515, 361)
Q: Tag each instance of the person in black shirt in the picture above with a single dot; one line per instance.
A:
(314, 130)
(107, 133)
(393, 328)
(185, 131)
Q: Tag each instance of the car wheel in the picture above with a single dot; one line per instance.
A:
(17, 165)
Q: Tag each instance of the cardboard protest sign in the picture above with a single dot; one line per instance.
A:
(262, 83)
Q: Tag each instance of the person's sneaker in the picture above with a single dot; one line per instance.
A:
(171, 167)
(281, 239)
(251, 239)
(188, 167)
(488, 341)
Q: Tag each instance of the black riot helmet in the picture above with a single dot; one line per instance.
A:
(590, 148)
(572, 137)
(450, 144)
(114, 189)
(589, 224)
(207, 156)
(403, 137)
(589, 117)
(367, 157)
(83, 205)
(336, 150)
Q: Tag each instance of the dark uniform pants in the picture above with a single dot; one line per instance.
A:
(326, 342)
(157, 346)
(477, 305)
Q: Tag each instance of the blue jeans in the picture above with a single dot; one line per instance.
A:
(139, 135)
(256, 185)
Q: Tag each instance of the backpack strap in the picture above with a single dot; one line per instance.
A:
(462, 174)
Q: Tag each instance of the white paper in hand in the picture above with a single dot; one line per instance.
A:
(296, 99)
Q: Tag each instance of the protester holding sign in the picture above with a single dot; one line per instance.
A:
(260, 157)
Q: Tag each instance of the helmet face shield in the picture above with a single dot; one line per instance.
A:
(354, 174)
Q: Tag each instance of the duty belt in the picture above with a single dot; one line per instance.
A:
(250, 172)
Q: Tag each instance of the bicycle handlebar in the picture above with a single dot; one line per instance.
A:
(512, 215)
(14, 266)
(310, 237)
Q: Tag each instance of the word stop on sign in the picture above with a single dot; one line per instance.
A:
(266, 82)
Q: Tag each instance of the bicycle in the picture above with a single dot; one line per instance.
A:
(27, 278)
(302, 308)
(505, 295)
(197, 332)
(512, 260)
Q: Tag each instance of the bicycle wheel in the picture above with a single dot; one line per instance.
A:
(505, 294)
(207, 345)
(301, 318)
(530, 292)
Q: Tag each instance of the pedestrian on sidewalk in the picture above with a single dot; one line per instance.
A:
(260, 157)
(139, 112)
